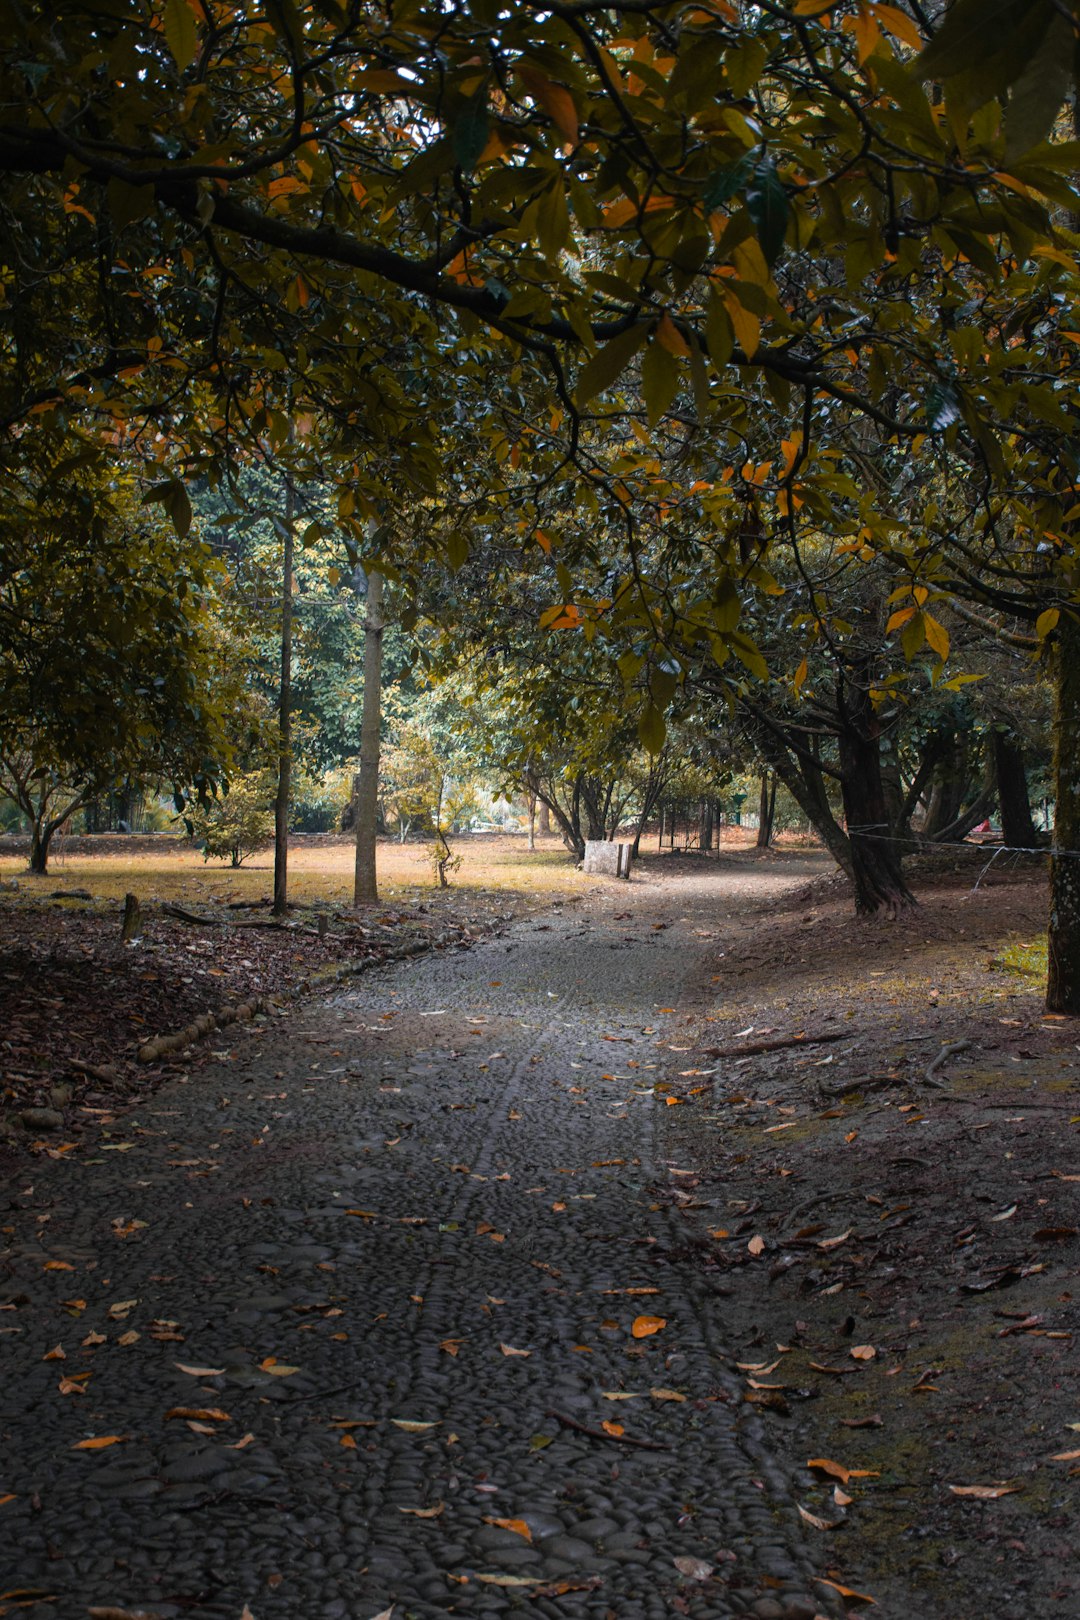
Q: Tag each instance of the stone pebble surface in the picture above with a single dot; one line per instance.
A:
(393, 1236)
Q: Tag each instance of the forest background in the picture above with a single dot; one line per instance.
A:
(662, 393)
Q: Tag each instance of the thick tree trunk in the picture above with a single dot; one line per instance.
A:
(1063, 944)
(284, 782)
(876, 856)
(544, 825)
(40, 837)
(365, 886)
(1018, 827)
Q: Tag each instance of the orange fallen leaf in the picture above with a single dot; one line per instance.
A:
(666, 1395)
(243, 1443)
(518, 1526)
(58, 1265)
(9, 1497)
(984, 1493)
(508, 1350)
(863, 1352)
(350, 1445)
(199, 1372)
(614, 1429)
(826, 1465)
(204, 1414)
(719, 1232)
(55, 1354)
(1065, 1456)
(642, 1327)
(277, 1369)
(97, 1442)
(848, 1592)
(812, 1518)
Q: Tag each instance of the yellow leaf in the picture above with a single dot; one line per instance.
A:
(937, 636)
(278, 1369)
(1046, 622)
(898, 23)
(666, 1395)
(518, 1526)
(744, 322)
(410, 1426)
(670, 338)
(425, 1513)
(643, 1327)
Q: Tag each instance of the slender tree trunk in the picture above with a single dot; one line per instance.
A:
(530, 799)
(705, 841)
(544, 827)
(766, 809)
(284, 782)
(365, 887)
(1017, 824)
(1063, 945)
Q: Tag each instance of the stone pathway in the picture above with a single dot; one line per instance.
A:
(321, 1330)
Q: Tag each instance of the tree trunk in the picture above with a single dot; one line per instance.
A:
(365, 886)
(876, 859)
(544, 827)
(1018, 827)
(766, 809)
(40, 837)
(530, 800)
(284, 782)
(1063, 943)
(705, 841)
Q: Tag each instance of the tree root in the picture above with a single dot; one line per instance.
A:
(601, 1434)
(950, 1049)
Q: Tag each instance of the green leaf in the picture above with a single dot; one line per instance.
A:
(913, 636)
(1036, 97)
(659, 381)
(767, 205)
(181, 34)
(609, 362)
(652, 729)
(749, 654)
(471, 128)
(725, 183)
(973, 32)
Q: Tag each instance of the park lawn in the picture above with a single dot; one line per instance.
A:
(320, 870)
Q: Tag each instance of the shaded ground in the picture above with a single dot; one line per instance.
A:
(900, 1261)
(386, 1305)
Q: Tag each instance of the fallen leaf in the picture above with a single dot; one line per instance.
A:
(121, 1308)
(1065, 1456)
(1005, 1214)
(825, 1465)
(95, 1338)
(841, 1498)
(518, 1526)
(384, 1614)
(350, 1445)
(719, 1232)
(508, 1350)
(130, 1337)
(58, 1265)
(666, 1395)
(812, 1518)
(412, 1427)
(204, 1414)
(619, 1395)
(199, 1372)
(242, 1444)
(55, 1354)
(985, 1493)
(695, 1568)
(848, 1592)
(276, 1368)
(98, 1442)
(425, 1513)
(615, 1429)
(508, 1580)
(756, 1244)
(643, 1326)
(863, 1352)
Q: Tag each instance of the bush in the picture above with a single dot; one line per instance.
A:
(238, 823)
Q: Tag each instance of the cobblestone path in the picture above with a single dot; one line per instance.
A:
(320, 1331)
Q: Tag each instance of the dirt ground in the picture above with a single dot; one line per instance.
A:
(893, 1232)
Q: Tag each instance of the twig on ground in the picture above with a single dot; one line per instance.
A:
(757, 1047)
(950, 1049)
(182, 915)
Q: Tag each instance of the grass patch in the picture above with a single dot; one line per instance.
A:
(1026, 958)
